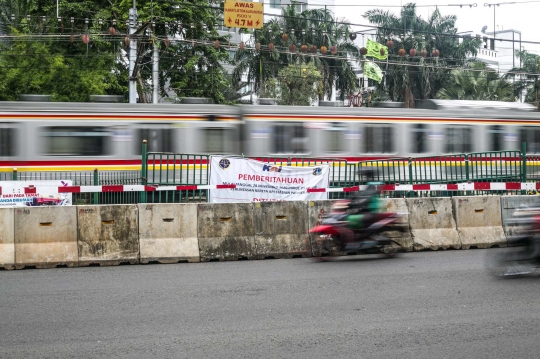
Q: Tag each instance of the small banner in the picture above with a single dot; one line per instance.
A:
(258, 181)
(373, 71)
(34, 193)
(374, 50)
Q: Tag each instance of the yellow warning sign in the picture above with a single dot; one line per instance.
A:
(243, 14)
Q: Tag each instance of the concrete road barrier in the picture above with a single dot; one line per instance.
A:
(108, 235)
(281, 229)
(509, 204)
(432, 224)
(479, 222)
(46, 237)
(404, 237)
(168, 233)
(7, 238)
(226, 231)
(316, 212)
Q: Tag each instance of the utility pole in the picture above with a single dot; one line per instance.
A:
(495, 5)
(132, 53)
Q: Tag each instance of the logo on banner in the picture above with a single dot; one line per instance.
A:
(317, 171)
(224, 163)
(270, 168)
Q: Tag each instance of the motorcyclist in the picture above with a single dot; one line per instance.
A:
(364, 206)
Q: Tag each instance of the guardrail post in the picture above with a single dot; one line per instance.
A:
(96, 183)
(14, 175)
(409, 165)
(144, 169)
(467, 167)
(524, 162)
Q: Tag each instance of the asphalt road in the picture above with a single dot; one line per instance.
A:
(422, 305)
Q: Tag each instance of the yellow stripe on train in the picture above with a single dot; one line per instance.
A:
(374, 163)
(100, 168)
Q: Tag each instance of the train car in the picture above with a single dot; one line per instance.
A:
(356, 134)
(42, 136)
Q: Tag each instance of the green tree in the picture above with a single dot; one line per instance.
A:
(526, 77)
(311, 28)
(317, 27)
(477, 83)
(190, 65)
(409, 78)
(46, 56)
(299, 84)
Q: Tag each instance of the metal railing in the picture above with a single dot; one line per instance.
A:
(162, 169)
(85, 178)
(168, 169)
(494, 166)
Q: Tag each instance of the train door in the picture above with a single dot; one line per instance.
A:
(378, 139)
(217, 138)
(458, 139)
(159, 137)
(290, 138)
(13, 144)
(335, 139)
(419, 143)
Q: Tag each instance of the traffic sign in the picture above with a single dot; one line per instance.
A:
(243, 14)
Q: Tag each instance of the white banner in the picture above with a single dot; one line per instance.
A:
(259, 181)
(46, 193)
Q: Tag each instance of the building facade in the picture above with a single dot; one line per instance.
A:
(498, 50)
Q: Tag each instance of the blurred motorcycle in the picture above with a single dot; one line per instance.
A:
(335, 234)
(522, 256)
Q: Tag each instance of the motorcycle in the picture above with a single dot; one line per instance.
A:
(335, 235)
(522, 256)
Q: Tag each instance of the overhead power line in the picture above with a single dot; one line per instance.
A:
(396, 31)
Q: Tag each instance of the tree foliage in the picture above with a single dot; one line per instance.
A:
(314, 27)
(48, 57)
(409, 78)
(477, 83)
(42, 56)
(299, 84)
(526, 77)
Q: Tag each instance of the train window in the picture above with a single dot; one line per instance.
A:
(458, 139)
(290, 138)
(335, 138)
(419, 138)
(158, 139)
(530, 135)
(216, 140)
(75, 141)
(496, 135)
(378, 139)
(7, 140)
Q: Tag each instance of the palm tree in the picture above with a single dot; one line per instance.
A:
(320, 30)
(256, 66)
(325, 43)
(437, 49)
(526, 77)
(477, 83)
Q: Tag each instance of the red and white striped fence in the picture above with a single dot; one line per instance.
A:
(467, 186)
(119, 188)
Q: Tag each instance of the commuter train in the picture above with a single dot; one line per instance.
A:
(51, 136)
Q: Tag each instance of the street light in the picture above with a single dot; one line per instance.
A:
(495, 5)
